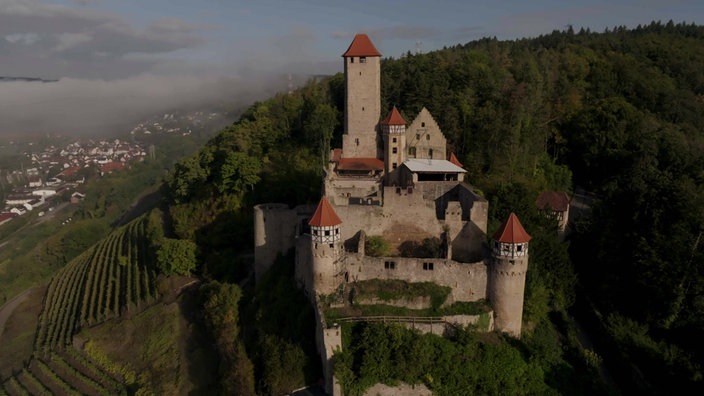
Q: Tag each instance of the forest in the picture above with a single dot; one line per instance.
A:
(618, 114)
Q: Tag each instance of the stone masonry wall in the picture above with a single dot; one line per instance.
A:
(468, 281)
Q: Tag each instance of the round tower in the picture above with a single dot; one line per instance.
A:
(507, 275)
(326, 248)
(394, 131)
(362, 99)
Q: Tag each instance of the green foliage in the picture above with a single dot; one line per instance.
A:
(428, 248)
(278, 322)
(376, 246)
(220, 307)
(388, 354)
(389, 290)
(176, 256)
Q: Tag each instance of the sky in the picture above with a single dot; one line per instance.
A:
(118, 59)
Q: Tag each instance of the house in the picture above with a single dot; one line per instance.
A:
(555, 204)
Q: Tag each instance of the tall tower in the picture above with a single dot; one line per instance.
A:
(326, 247)
(507, 275)
(394, 131)
(362, 99)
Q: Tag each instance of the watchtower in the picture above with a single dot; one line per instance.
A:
(394, 131)
(326, 247)
(507, 275)
(362, 99)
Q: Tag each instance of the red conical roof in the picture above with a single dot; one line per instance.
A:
(324, 215)
(511, 231)
(394, 118)
(361, 46)
(455, 161)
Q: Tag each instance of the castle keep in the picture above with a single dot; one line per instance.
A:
(396, 180)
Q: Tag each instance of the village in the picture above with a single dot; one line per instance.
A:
(56, 172)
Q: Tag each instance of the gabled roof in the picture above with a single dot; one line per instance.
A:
(361, 46)
(558, 201)
(511, 231)
(324, 215)
(455, 161)
(394, 118)
(360, 164)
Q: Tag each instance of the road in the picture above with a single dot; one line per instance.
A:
(9, 307)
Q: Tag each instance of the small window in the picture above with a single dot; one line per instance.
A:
(412, 152)
(327, 232)
(428, 266)
(430, 153)
(352, 59)
(393, 166)
(389, 264)
(332, 246)
(394, 150)
(362, 108)
(362, 59)
(356, 141)
(417, 136)
(519, 248)
(337, 231)
(422, 125)
(393, 140)
(427, 137)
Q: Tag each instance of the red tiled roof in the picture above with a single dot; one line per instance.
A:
(111, 166)
(556, 200)
(455, 161)
(360, 164)
(511, 231)
(361, 46)
(394, 118)
(69, 171)
(6, 216)
(324, 215)
(336, 155)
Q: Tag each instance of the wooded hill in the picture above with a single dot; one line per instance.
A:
(619, 113)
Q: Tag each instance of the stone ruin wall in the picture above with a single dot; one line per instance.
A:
(468, 281)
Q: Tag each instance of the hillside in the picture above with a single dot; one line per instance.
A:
(618, 113)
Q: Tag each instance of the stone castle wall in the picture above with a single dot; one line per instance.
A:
(468, 281)
(276, 227)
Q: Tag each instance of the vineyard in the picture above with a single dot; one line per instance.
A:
(113, 277)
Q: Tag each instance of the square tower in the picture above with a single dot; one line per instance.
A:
(362, 100)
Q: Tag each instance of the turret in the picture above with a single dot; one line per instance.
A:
(507, 275)
(362, 99)
(326, 247)
(394, 131)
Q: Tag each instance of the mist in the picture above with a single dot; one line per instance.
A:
(74, 106)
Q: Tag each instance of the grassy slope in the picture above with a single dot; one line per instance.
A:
(165, 346)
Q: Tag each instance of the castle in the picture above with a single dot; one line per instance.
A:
(395, 180)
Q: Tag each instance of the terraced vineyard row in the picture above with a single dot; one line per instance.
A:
(65, 373)
(111, 277)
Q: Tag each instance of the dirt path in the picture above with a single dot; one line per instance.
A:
(9, 307)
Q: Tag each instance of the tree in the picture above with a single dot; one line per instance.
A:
(176, 256)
